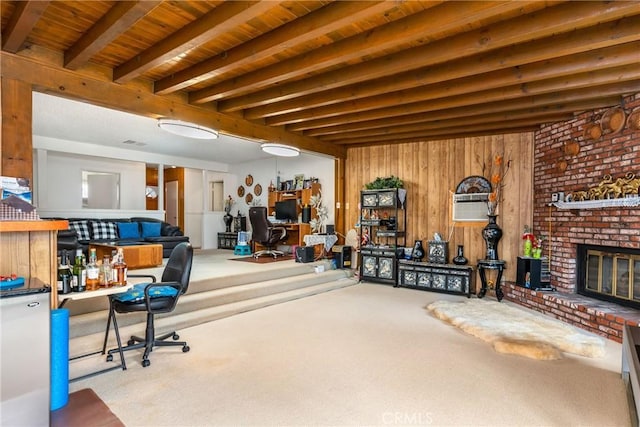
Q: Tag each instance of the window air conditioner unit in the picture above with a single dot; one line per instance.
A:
(470, 207)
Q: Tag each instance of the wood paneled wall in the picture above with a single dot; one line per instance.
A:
(432, 170)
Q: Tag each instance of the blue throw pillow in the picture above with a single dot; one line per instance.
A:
(137, 293)
(150, 229)
(128, 230)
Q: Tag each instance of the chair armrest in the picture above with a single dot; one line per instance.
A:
(147, 297)
(150, 276)
(284, 231)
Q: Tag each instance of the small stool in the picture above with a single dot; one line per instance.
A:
(242, 250)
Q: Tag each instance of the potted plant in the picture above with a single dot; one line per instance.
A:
(386, 182)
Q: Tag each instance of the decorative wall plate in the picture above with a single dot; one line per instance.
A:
(474, 184)
(248, 181)
(257, 189)
(248, 198)
(240, 191)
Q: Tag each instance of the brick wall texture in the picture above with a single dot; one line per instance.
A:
(613, 154)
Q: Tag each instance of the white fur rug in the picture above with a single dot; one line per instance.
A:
(517, 330)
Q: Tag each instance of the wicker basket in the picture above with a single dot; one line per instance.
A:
(613, 120)
(633, 122)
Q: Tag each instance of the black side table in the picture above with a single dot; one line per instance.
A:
(489, 264)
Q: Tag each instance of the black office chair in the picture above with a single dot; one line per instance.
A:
(155, 297)
(265, 233)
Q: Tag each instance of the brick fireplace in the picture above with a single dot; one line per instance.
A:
(616, 155)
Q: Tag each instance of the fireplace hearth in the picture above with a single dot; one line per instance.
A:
(609, 274)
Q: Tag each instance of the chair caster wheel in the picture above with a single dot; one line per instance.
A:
(175, 337)
(131, 342)
(110, 358)
(145, 363)
(185, 349)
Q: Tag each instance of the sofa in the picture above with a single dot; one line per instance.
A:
(84, 231)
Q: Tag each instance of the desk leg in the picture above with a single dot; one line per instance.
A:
(122, 365)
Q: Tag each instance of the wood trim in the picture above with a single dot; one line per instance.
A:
(71, 84)
(16, 141)
(42, 225)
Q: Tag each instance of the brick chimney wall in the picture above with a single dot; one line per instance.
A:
(615, 155)
(612, 154)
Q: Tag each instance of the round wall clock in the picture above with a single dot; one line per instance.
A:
(248, 181)
(257, 189)
(248, 198)
(240, 191)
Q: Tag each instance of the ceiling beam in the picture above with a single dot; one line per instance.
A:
(405, 30)
(526, 108)
(530, 57)
(116, 21)
(497, 127)
(223, 18)
(309, 27)
(71, 84)
(563, 18)
(459, 77)
(415, 111)
(24, 18)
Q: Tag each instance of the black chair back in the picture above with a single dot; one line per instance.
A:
(178, 267)
(259, 223)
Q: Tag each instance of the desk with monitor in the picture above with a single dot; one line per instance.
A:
(295, 234)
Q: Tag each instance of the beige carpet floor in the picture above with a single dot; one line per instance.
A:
(364, 355)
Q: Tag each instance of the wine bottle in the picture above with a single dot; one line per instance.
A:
(93, 271)
(79, 273)
(64, 274)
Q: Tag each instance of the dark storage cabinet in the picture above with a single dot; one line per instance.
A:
(447, 278)
(533, 273)
(383, 224)
(227, 240)
(378, 265)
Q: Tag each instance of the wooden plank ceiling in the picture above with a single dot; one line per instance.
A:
(351, 72)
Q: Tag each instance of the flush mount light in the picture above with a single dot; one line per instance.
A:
(280, 149)
(190, 130)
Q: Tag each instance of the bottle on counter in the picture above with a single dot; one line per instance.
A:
(114, 273)
(79, 273)
(64, 275)
(93, 271)
(104, 277)
(120, 268)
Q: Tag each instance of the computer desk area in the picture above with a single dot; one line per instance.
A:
(295, 234)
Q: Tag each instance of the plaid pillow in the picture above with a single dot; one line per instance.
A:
(105, 230)
(81, 228)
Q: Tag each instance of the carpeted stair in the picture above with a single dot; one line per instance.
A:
(215, 298)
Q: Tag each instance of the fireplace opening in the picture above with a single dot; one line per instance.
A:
(609, 274)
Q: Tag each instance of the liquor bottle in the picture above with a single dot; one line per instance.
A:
(120, 269)
(64, 275)
(79, 273)
(93, 271)
(105, 277)
(114, 273)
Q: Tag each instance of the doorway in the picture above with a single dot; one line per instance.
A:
(173, 213)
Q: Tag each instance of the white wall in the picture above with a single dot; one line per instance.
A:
(63, 176)
(193, 197)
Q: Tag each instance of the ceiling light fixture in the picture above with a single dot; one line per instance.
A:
(280, 149)
(190, 130)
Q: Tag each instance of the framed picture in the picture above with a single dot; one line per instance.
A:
(299, 181)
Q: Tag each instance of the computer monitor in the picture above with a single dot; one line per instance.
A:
(287, 210)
